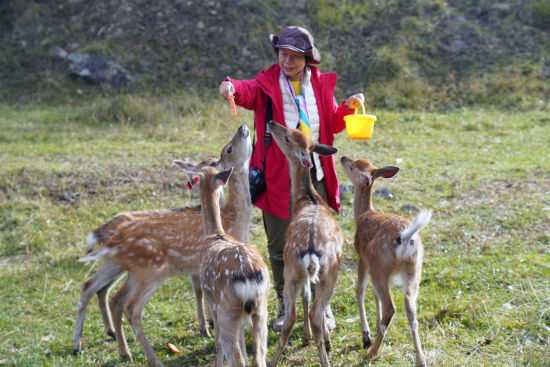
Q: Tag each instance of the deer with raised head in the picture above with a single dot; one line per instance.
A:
(234, 278)
(388, 246)
(313, 248)
(150, 247)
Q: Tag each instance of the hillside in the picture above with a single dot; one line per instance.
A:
(402, 54)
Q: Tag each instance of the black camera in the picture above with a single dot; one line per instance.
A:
(256, 180)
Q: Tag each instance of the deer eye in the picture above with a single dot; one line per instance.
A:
(229, 150)
(286, 138)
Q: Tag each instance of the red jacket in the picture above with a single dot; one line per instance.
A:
(252, 94)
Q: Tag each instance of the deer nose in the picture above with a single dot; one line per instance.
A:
(244, 131)
(271, 122)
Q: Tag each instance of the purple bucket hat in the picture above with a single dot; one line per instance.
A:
(297, 39)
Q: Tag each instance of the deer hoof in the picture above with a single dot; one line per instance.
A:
(366, 340)
(111, 334)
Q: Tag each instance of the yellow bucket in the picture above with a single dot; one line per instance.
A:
(359, 127)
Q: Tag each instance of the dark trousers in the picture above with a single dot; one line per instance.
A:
(275, 229)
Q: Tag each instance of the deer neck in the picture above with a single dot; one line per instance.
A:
(301, 188)
(362, 201)
(238, 206)
(210, 209)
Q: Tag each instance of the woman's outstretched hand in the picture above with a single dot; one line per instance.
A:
(227, 90)
(355, 101)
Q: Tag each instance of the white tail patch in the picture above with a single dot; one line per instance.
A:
(406, 250)
(96, 255)
(311, 264)
(249, 290)
(92, 240)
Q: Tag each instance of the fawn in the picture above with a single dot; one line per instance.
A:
(313, 247)
(234, 277)
(160, 243)
(110, 272)
(387, 245)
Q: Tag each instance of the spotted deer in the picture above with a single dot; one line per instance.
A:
(110, 272)
(154, 245)
(388, 246)
(234, 277)
(313, 248)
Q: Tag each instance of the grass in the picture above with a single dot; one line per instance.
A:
(485, 294)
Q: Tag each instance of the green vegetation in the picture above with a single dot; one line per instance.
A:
(484, 297)
(428, 54)
(460, 89)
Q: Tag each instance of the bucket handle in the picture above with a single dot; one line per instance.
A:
(362, 106)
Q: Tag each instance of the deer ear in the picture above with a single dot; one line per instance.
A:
(325, 150)
(365, 179)
(191, 177)
(387, 172)
(184, 165)
(223, 176)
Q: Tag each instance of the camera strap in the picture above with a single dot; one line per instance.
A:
(267, 133)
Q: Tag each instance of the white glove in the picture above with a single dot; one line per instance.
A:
(355, 101)
(227, 90)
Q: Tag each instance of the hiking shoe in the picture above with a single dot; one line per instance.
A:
(280, 320)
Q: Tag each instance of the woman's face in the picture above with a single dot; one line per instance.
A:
(292, 63)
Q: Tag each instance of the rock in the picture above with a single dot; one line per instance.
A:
(57, 51)
(346, 189)
(409, 208)
(98, 69)
(384, 192)
(73, 46)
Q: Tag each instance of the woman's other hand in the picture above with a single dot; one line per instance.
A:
(227, 90)
(355, 101)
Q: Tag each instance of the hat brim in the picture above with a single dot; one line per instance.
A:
(313, 55)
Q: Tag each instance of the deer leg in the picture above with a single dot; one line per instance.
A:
(229, 328)
(290, 292)
(242, 341)
(323, 293)
(103, 304)
(387, 309)
(101, 280)
(116, 304)
(134, 310)
(259, 333)
(306, 297)
(411, 292)
(200, 310)
(360, 294)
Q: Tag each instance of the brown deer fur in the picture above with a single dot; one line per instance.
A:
(151, 247)
(235, 280)
(388, 246)
(313, 247)
(110, 272)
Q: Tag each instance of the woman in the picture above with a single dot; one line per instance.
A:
(301, 97)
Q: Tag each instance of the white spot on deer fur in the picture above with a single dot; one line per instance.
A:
(226, 272)
(131, 239)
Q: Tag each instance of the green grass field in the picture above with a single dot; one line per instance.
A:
(485, 295)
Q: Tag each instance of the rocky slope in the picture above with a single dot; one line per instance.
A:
(401, 53)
